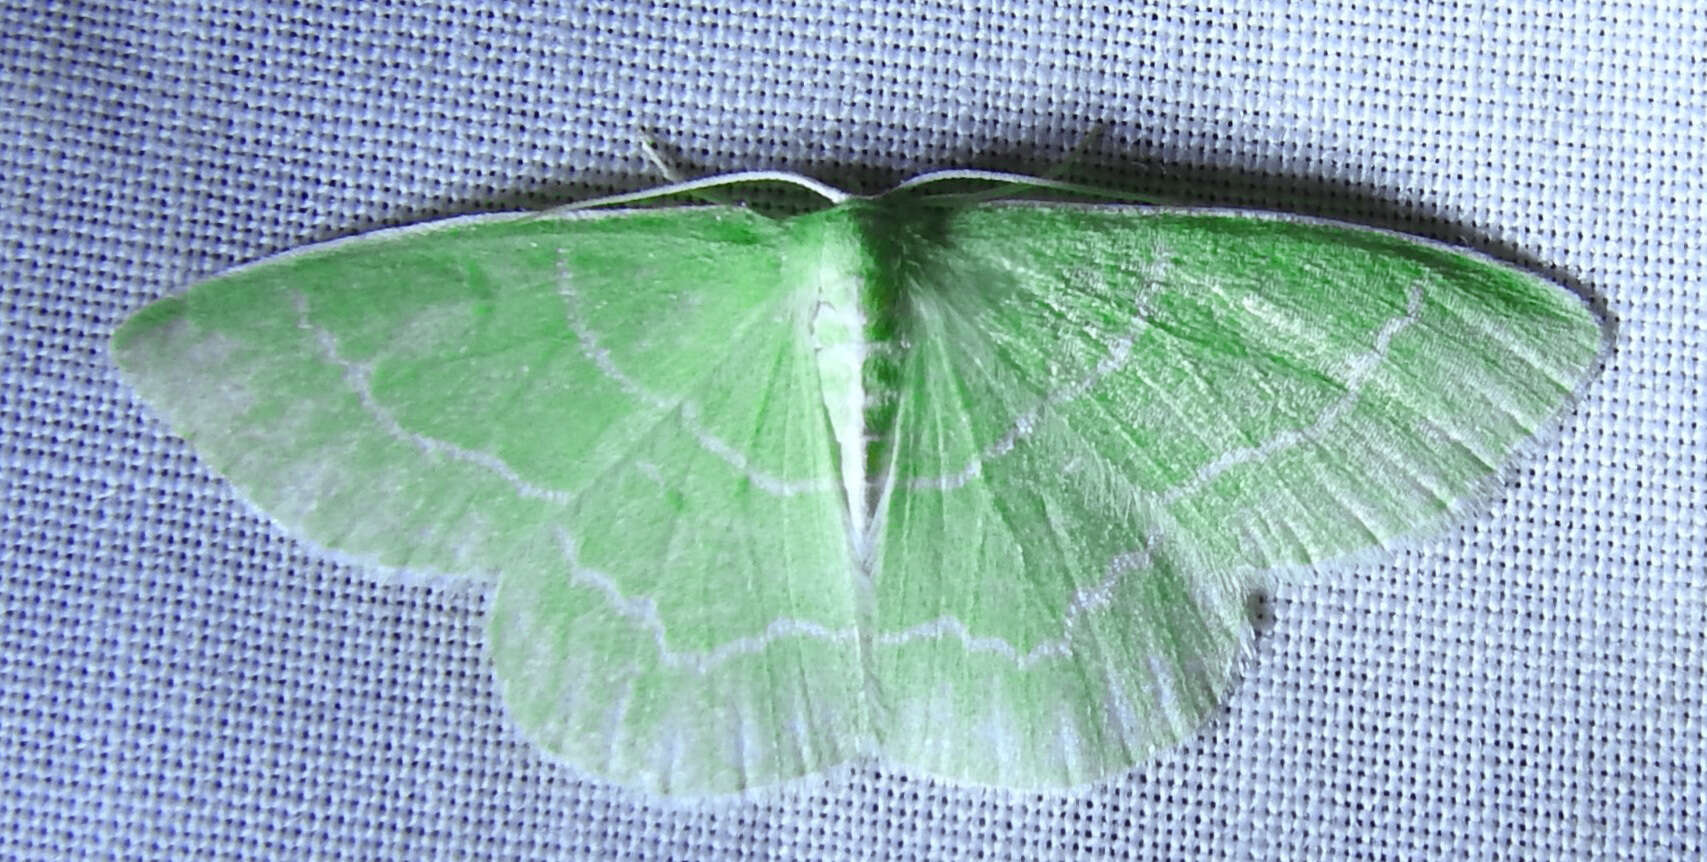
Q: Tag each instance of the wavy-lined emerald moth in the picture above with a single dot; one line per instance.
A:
(978, 488)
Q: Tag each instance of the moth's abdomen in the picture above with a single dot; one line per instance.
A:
(854, 337)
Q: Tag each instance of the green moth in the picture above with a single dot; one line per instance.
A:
(979, 488)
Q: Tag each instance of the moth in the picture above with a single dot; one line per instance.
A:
(977, 487)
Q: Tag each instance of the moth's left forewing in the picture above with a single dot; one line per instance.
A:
(610, 412)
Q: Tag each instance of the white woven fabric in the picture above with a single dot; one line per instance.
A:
(179, 679)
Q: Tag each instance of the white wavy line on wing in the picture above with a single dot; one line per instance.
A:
(643, 612)
(685, 407)
(1361, 368)
(359, 377)
(1084, 601)
(1026, 422)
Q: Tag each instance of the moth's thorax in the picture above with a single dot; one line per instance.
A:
(853, 292)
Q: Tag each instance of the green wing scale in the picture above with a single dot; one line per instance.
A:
(977, 489)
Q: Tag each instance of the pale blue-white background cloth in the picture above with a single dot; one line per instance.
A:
(180, 679)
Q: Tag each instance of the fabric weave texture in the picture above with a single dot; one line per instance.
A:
(179, 678)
